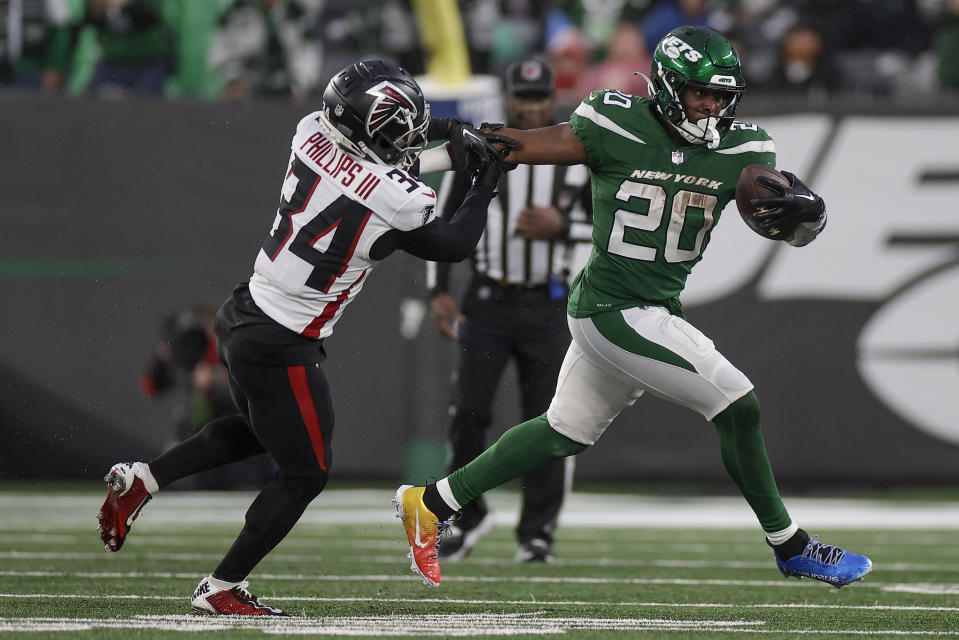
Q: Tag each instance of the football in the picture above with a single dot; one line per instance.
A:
(747, 189)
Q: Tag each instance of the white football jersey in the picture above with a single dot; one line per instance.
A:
(333, 207)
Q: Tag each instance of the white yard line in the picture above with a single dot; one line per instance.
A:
(438, 625)
(400, 547)
(579, 510)
(540, 603)
(697, 541)
(920, 587)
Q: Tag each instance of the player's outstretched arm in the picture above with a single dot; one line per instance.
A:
(444, 240)
(556, 144)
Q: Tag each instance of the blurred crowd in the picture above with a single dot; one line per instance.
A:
(240, 49)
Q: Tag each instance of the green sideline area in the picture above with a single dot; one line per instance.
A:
(629, 565)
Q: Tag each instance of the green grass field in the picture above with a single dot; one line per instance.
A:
(653, 567)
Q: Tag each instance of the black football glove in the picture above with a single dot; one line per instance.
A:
(490, 172)
(466, 142)
(792, 204)
(488, 129)
(494, 165)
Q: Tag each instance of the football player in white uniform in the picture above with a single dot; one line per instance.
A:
(350, 197)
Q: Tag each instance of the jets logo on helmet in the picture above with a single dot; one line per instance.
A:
(390, 104)
(723, 80)
(674, 47)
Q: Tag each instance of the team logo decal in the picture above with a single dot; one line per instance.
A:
(675, 47)
(428, 212)
(391, 104)
(728, 80)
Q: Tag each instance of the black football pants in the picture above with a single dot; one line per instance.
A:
(525, 325)
(284, 411)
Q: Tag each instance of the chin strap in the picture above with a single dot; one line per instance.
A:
(703, 131)
(700, 132)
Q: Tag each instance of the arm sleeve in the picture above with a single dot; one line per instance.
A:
(442, 240)
(451, 195)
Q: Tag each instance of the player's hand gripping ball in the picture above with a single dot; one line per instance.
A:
(774, 203)
(748, 189)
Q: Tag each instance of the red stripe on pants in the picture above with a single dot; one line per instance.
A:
(304, 399)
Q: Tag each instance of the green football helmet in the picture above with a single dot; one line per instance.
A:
(700, 57)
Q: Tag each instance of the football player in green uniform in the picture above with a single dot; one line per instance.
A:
(662, 170)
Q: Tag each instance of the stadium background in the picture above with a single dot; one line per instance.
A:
(117, 211)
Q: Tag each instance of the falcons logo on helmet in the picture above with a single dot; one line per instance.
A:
(390, 104)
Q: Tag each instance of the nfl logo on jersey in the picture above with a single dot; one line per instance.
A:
(677, 157)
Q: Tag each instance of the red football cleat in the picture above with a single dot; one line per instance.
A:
(125, 499)
(236, 601)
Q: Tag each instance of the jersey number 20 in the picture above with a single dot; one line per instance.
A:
(656, 200)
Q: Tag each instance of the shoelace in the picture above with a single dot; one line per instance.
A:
(441, 528)
(825, 553)
(240, 590)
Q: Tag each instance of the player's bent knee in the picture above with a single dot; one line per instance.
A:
(747, 407)
(306, 486)
(742, 413)
(566, 441)
(563, 446)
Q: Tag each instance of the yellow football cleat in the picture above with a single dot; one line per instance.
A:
(423, 530)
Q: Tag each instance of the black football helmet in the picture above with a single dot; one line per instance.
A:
(376, 110)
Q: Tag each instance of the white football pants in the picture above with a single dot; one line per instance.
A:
(616, 356)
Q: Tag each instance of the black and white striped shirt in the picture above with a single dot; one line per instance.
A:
(504, 256)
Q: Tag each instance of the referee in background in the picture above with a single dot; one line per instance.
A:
(514, 307)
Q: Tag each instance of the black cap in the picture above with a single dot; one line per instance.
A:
(530, 76)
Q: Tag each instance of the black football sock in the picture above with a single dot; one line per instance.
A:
(792, 547)
(220, 442)
(433, 502)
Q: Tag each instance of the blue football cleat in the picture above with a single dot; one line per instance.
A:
(827, 563)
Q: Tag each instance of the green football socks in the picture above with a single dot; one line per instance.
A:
(518, 451)
(744, 456)
(530, 444)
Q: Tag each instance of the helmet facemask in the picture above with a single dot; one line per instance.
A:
(397, 134)
(709, 129)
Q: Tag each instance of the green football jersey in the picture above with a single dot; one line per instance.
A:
(655, 201)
